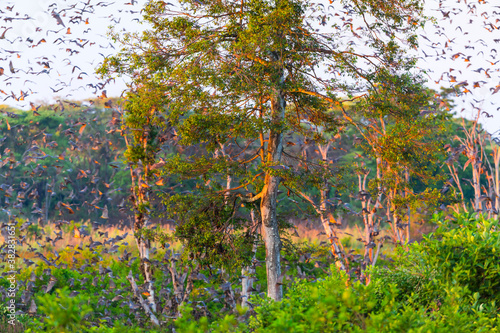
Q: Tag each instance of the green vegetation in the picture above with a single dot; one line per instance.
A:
(181, 206)
(447, 282)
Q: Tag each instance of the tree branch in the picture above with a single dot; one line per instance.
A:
(137, 294)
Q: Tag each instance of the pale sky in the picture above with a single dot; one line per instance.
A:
(58, 48)
(470, 50)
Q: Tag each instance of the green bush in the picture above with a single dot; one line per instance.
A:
(62, 313)
(449, 282)
(463, 251)
(226, 324)
(330, 306)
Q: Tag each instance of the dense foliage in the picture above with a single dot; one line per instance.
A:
(238, 116)
(453, 289)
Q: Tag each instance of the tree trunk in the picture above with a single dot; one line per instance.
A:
(335, 245)
(137, 294)
(408, 227)
(272, 240)
(496, 158)
(141, 222)
(268, 204)
(144, 247)
(326, 218)
(248, 272)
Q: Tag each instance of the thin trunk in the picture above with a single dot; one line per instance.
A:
(222, 152)
(496, 157)
(248, 272)
(141, 222)
(336, 247)
(229, 179)
(493, 180)
(392, 218)
(456, 179)
(146, 244)
(364, 205)
(144, 247)
(182, 284)
(376, 254)
(408, 227)
(47, 203)
(477, 187)
(271, 237)
(144, 305)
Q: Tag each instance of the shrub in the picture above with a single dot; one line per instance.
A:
(330, 306)
(62, 313)
(225, 324)
(463, 251)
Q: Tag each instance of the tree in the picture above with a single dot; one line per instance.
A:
(231, 68)
(399, 128)
(145, 130)
(485, 181)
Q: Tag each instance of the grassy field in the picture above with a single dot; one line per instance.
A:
(73, 272)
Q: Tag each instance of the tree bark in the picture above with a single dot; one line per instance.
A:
(268, 204)
(144, 305)
(408, 227)
(271, 239)
(141, 222)
(326, 218)
(144, 247)
(248, 272)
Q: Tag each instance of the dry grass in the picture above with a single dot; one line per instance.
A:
(64, 246)
(310, 231)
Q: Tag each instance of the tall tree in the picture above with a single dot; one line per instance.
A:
(399, 124)
(231, 68)
(144, 126)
